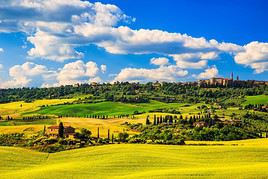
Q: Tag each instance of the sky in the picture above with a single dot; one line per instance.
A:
(45, 43)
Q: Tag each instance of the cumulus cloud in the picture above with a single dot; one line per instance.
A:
(52, 47)
(1, 66)
(51, 26)
(96, 79)
(21, 75)
(208, 73)
(194, 60)
(57, 30)
(103, 68)
(22, 12)
(163, 73)
(1, 50)
(255, 55)
(124, 40)
(75, 72)
(159, 61)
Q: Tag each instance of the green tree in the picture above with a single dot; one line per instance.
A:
(44, 130)
(148, 121)
(112, 138)
(108, 137)
(61, 130)
(123, 136)
(98, 135)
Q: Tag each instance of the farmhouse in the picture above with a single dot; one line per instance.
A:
(54, 131)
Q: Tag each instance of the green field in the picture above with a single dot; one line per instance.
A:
(104, 108)
(246, 160)
(259, 99)
(16, 109)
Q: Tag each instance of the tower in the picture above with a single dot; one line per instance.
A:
(232, 76)
(237, 78)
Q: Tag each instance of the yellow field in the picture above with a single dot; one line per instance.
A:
(15, 109)
(132, 161)
(248, 142)
(29, 129)
(115, 125)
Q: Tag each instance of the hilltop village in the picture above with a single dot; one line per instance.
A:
(230, 82)
(207, 83)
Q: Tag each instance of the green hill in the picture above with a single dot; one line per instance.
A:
(140, 161)
(104, 108)
(259, 99)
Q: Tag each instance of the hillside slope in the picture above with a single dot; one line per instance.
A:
(140, 161)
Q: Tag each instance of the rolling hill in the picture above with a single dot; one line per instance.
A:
(246, 159)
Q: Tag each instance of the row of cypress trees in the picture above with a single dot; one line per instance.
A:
(169, 119)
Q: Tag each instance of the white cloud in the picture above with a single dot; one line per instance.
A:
(123, 40)
(194, 60)
(96, 79)
(57, 30)
(30, 73)
(260, 67)
(51, 47)
(92, 69)
(21, 75)
(50, 24)
(159, 61)
(72, 73)
(103, 68)
(27, 69)
(163, 73)
(192, 65)
(208, 56)
(1, 50)
(1, 67)
(77, 72)
(255, 55)
(24, 11)
(208, 73)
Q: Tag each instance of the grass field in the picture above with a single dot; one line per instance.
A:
(259, 99)
(16, 109)
(105, 108)
(248, 160)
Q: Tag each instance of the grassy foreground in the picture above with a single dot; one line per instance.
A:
(249, 159)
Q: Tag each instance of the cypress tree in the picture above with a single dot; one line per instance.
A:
(147, 121)
(154, 121)
(61, 130)
(161, 120)
(98, 135)
(44, 130)
(108, 134)
(165, 119)
(171, 120)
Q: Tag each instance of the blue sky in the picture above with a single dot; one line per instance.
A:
(57, 42)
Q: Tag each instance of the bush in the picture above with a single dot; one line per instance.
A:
(136, 141)
(123, 137)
